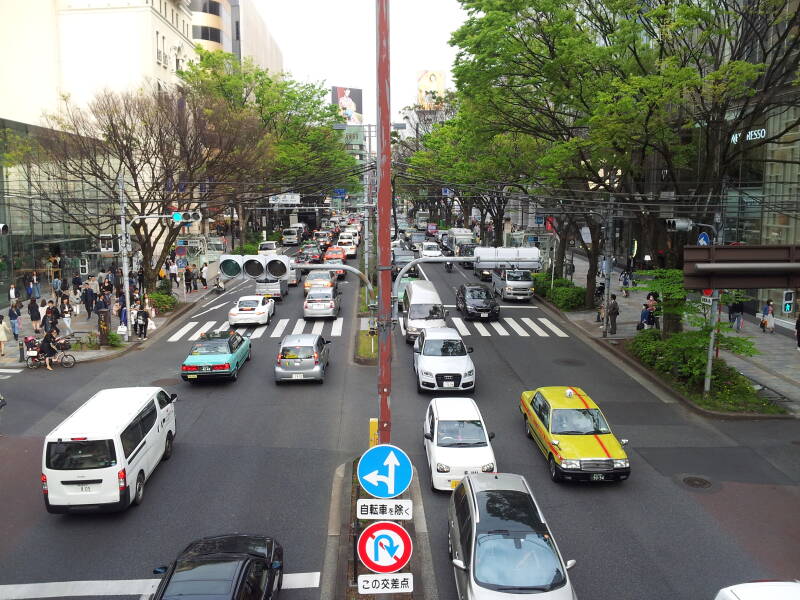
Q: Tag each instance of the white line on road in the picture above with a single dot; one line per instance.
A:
(210, 309)
(553, 328)
(298, 327)
(182, 331)
(5, 376)
(499, 328)
(517, 329)
(225, 325)
(279, 328)
(11, 370)
(402, 327)
(206, 326)
(336, 328)
(317, 328)
(536, 329)
(259, 332)
(459, 324)
(241, 330)
(482, 329)
(293, 581)
(424, 275)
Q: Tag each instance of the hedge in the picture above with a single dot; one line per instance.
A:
(163, 302)
(567, 298)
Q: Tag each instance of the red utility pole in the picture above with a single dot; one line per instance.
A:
(384, 213)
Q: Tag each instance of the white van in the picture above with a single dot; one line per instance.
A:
(290, 237)
(100, 457)
(422, 308)
(268, 248)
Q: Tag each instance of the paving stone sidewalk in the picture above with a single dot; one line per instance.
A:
(777, 366)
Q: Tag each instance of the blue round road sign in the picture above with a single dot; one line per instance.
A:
(703, 239)
(385, 471)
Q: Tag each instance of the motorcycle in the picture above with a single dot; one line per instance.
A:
(219, 285)
(448, 266)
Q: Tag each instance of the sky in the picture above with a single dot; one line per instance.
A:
(334, 43)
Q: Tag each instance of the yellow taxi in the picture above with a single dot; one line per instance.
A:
(573, 435)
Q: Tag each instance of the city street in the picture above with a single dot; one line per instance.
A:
(253, 457)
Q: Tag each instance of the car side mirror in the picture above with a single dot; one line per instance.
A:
(491, 435)
(276, 564)
(470, 349)
(624, 442)
(428, 436)
(554, 442)
(571, 563)
(160, 570)
(459, 564)
(173, 397)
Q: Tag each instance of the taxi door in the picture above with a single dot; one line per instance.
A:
(541, 422)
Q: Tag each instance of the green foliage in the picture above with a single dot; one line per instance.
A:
(115, 340)
(163, 302)
(568, 298)
(164, 286)
(247, 249)
(541, 282)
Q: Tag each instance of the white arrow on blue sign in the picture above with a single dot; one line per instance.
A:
(385, 471)
(703, 239)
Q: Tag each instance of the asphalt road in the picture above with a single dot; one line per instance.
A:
(253, 457)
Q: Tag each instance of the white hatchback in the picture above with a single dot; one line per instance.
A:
(252, 310)
(456, 442)
(430, 250)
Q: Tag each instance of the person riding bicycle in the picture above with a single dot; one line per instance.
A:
(47, 348)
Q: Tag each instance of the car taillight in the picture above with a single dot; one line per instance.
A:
(305, 304)
(328, 284)
(222, 367)
(316, 358)
(190, 368)
(278, 360)
(122, 480)
(44, 484)
(331, 305)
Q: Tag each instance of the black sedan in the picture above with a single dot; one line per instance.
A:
(224, 567)
(475, 301)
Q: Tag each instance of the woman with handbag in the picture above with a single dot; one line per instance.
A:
(768, 317)
(66, 314)
(140, 322)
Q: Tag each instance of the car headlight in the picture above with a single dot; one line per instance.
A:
(427, 374)
(533, 289)
(471, 308)
(509, 289)
(488, 468)
(469, 373)
(232, 313)
(413, 329)
(441, 468)
(622, 463)
(570, 464)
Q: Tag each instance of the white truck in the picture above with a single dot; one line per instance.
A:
(509, 270)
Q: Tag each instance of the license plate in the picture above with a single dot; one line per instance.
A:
(31, 353)
(484, 315)
(448, 384)
(598, 477)
(191, 376)
(205, 369)
(86, 488)
(297, 375)
(454, 483)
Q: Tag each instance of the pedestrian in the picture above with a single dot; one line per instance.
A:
(736, 315)
(195, 277)
(797, 331)
(75, 300)
(187, 279)
(625, 280)
(140, 323)
(88, 298)
(12, 293)
(36, 287)
(14, 316)
(3, 404)
(173, 273)
(613, 313)
(94, 285)
(5, 334)
(76, 282)
(768, 317)
(47, 348)
(55, 286)
(140, 277)
(652, 306)
(51, 315)
(35, 314)
(101, 276)
(204, 275)
(66, 314)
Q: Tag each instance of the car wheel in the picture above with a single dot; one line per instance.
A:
(280, 581)
(235, 375)
(138, 494)
(278, 382)
(433, 487)
(167, 448)
(449, 546)
(554, 474)
(527, 427)
(420, 389)
(249, 354)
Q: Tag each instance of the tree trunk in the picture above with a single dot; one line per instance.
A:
(561, 252)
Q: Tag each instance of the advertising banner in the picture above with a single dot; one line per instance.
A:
(350, 103)
(430, 89)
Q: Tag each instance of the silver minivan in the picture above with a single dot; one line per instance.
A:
(422, 308)
(301, 357)
(512, 284)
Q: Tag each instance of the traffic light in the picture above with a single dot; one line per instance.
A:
(254, 266)
(679, 224)
(230, 265)
(4, 229)
(277, 266)
(185, 217)
(788, 301)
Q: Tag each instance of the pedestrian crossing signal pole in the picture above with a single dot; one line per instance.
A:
(124, 252)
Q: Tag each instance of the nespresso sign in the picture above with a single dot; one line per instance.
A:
(749, 136)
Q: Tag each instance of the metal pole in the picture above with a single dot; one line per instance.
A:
(712, 338)
(124, 252)
(384, 213)
(609, 250)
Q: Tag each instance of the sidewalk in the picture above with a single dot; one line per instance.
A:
(777, 367)
(81, 326)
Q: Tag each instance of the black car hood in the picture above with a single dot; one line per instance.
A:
(480, 303)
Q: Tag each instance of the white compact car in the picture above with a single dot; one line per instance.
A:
(252, 310)
(430, 250)
(348, 243)
(456, 441)
(442, 362)
(761, 590)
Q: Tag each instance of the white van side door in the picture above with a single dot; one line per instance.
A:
(166, 412)
(153, 439)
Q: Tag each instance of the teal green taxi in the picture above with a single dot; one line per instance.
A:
(216, 355)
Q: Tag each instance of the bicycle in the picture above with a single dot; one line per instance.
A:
(36, 360)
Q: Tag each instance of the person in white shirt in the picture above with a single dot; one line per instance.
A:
(173, 273)
(204, 275)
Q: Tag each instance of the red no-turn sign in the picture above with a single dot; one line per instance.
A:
(384, 547)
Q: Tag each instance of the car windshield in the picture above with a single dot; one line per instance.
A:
(248, 303)
(319, 296)
(578, 421)
(195, 578)
(210, 347)
(318, 275)
(444, 348)
(518, 275)
(334, 261)
(290, 232)
(467, 250)
(462, 434)
(430, 247)
(268, 246)
(517, 561)
(478, 294)
(83, 454)
(297, 352)
(426, 311)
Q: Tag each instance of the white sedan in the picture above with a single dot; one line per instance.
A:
(456, 442)
(430, 249)
(252, 310)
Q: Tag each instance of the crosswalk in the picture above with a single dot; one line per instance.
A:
(192, 330)
(508, 326)
(8, 373)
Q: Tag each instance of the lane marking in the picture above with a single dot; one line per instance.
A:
(536, 329)
(402, 327)
(517, 329)
(182, 331)
(279, 328)
(459, 324)
(298, 327)
(206, 326)
(294, 581)
(498, 328)
(5, 376)
(424, 275)
(209, 310)
(317, 328)
(259, 332)
(241, 330)
(336, 328)
(225, 325)
(11, 370)
(552, 327)
(482, 329)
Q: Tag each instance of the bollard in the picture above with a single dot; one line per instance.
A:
(103, 323)
(22, 356)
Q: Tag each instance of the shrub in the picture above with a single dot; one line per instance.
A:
(247, 249)
(114, 339)
(541, 281)
(567, 298)
(164, 287)
(163, 302)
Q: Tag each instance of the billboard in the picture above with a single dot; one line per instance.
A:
(430, 89)
(349, 101)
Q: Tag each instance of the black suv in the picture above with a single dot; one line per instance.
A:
(400, 258)
(223, 568)
(475, 301)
